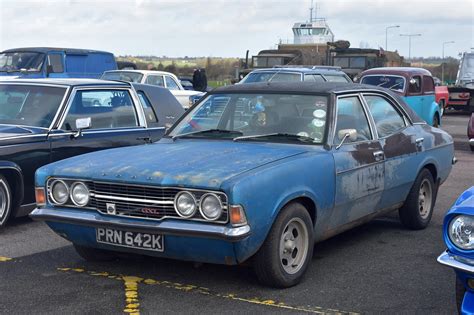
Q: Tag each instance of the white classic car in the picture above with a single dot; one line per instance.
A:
(152, 77)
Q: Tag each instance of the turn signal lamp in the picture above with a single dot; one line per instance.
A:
(40, 196)
(237, 215)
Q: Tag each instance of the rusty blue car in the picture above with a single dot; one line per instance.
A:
(459, 255)
(252, 172)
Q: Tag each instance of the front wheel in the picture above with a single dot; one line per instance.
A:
(5, 201)
(416, 213)
(460, 291)
(94, 254)
(285, 255)
(436, 121)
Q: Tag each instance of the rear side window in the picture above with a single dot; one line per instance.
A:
(56, 62)
(171, 84)
(428, 84)
(150, 114)
(313, 78)
(387, 119)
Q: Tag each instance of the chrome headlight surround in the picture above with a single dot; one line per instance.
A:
(185, 214)
(52, 191)
(207, 212)
(461, 231)
(73, 194)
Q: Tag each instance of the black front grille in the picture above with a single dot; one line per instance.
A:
(144, 201)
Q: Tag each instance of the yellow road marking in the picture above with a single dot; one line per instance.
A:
(4, 259)
(132, 300)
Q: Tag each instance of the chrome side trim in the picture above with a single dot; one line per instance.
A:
(452, 261)
(169, 227)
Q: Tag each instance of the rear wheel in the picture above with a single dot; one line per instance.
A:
(5, 201)
(285, 255)
(94, 254)
(418, 208)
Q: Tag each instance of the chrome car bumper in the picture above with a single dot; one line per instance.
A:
(455, 262)
(167, 227)
(471, 142)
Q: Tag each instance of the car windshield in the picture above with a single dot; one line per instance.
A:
(29, 105)
(257, 117)
(391, 82)
(272, 76)
(21, 61)
(128, 76)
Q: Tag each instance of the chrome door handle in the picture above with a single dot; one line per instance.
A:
(378, 155)
(169, 117)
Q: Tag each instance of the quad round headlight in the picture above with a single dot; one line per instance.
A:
(79, 194)
(59, 192)
(185, 204)
(210, 207)
(461, 231)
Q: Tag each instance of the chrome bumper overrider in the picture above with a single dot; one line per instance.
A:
(167, 227)
(455, 262)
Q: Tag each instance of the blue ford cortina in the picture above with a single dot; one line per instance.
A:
(458, 235)
(257, 171)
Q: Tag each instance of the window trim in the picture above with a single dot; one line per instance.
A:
(141, 121)
(367, 116)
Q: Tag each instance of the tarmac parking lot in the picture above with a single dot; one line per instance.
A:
(379, 267)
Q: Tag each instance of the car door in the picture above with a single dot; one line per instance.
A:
(359, 163)
(400, 146)
(415, 97)
(116, 120)
(429, 99)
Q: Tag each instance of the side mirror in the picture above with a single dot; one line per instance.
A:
(346, 133)
(81, 124)
(412, 81)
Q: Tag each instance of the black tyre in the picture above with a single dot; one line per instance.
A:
(460, 290)
(436, 121)
(5, 201)
(418, 208)
(472, 147)
(94, 254)
(286, 253)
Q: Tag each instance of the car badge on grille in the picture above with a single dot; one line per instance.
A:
(150, 211)
(111, 208)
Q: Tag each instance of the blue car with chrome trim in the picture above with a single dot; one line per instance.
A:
(253, 172)
(458, 235)
(415, 85)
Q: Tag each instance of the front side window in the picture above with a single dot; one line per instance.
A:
(21, 61)
(391, 82)
(358, 62)
(257, 117)
(29, 105)
(106, 108)
(155, 80)
(170, 83)
(351, 116)
(387, 119)
(275, 76)
(56, 63)
(342, 62)
(127, 76)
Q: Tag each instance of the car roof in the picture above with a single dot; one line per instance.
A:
(47, 49)
(396, 70)
(316, 70)
(67, 82)
(141, 71)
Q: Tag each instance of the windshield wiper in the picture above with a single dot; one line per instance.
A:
(207, 131)
(393, 86)
(277, 135)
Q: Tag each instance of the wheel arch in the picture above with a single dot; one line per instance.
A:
(14, 176)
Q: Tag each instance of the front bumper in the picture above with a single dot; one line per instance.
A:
(471, 142)
(455, 262)
(166, 227)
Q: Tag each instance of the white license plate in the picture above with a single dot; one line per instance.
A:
(154, 242)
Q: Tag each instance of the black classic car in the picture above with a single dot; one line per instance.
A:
(46, 120)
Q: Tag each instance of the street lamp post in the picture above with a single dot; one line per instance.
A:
(442, 60)
(409, 42)
(386, 33)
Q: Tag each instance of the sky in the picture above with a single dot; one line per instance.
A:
(227, 28)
